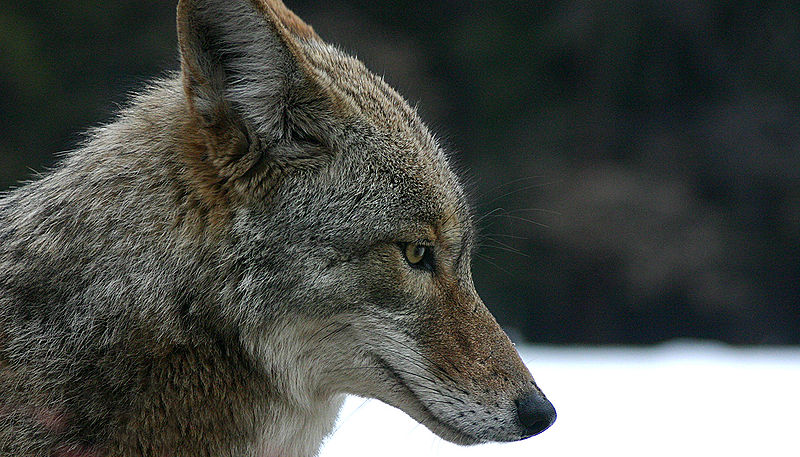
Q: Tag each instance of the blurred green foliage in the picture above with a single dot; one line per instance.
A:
(634, 164)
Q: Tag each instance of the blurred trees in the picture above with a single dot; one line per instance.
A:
(634, 164)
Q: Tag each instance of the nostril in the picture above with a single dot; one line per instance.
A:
(535, 413)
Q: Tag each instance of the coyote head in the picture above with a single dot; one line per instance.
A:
(350, 233)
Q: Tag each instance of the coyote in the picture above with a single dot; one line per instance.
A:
(253, 237)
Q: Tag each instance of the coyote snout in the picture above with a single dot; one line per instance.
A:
(255, 236)
(463, 380)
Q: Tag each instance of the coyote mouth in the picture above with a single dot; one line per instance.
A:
(425, 415)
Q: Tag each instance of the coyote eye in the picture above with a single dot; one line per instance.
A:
(419, 256)
(415, 253)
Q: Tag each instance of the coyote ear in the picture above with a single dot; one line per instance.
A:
(248, 83)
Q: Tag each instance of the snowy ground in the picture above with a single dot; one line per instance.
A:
(679, 399)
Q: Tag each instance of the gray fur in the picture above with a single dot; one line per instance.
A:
(209, 273)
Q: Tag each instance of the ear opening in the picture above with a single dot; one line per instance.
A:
(246, 81)
(234, 52)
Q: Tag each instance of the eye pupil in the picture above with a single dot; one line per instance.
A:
(415, 253)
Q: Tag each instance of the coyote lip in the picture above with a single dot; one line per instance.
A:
(431, 420)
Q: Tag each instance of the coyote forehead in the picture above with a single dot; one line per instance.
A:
(396, 140)
(363, 93)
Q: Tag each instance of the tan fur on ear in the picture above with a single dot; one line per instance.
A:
(288, 19)
(189, 57)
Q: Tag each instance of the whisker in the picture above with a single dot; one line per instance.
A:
(311, 339)
(490, 213)
(502, 246)
(522, 189)
(417, 385)
(488, 260)
(352, 413)
(490, 236)
(528, 220)
(538, 210)
(333, 332)
(427, 359)
(416, 363)
(513, 181)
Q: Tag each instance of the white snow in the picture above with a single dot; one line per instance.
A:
(679, 399)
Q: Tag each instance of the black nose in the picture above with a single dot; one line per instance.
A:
(535, 412)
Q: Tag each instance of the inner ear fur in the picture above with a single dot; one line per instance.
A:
(249, 90)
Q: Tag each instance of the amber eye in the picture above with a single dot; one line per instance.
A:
(415, 253)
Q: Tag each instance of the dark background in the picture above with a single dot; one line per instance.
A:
(635, 165)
